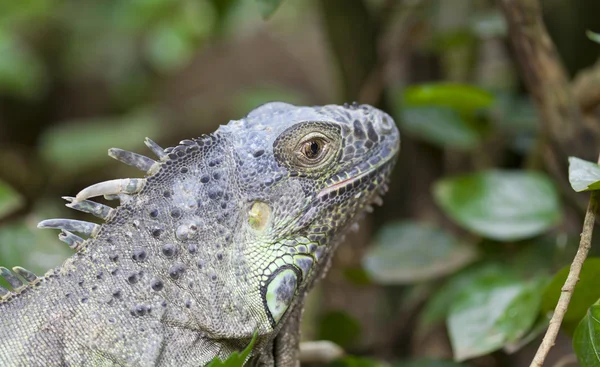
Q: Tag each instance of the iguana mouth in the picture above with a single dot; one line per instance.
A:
(349, 181)
(368, 169)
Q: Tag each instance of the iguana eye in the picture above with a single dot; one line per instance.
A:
(312, 149)
(308, 147)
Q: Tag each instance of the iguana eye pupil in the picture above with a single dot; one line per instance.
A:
(312, 149)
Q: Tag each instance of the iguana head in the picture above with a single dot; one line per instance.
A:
(228, 230)
(304, 174)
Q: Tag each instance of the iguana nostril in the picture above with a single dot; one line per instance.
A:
(258, 216)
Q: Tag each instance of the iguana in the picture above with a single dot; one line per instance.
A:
(220, 241)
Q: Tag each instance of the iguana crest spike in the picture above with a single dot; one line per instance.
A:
(79, 226)
(156, 149)
(112, 187)
(25, 274)
(71, 239)
(220, 242)
(99, 210)
(138, 161)
(12, 279)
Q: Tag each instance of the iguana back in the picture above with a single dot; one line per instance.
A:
(222, 239)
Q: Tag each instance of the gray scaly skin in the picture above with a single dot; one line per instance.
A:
(223, 238)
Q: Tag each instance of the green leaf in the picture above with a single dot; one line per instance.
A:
(439, 125)
(249, 99)
(499, 204)
(340, 328)
(583, 175)
(235, 359)
(20, 13)
(22, 74)
(408, 252)
(169, 47)
(585, 294)
(586, 340)
(593, 36)
(490, 312)
(428, 363)
(466, 99)
(83, 144)
(539, 327)
(268, 7)
(357, 275)
(515, 115)
(436, 308)
(352, 361)
(24, 245)
(10, 200)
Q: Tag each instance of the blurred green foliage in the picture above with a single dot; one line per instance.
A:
(586, 292)
(399, 257)
(78, 145)
(10, 200)
(475, 227)
(445, 114)
(587, 337)
(502, 205)
(491, 311)
(340, 328)
(268, 7)
(593, 36)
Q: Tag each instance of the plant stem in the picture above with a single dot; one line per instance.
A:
(569, 286)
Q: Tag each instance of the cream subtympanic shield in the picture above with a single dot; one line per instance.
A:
(279, 292)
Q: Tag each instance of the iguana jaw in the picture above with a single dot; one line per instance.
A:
(354, 177)
(370, 168)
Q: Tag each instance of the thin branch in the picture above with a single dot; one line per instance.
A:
(565, 361)
(397, 24)
(544, 74)
(586, 87)
(321, 351)
(572, 279)
(565, 129)
(352, 35)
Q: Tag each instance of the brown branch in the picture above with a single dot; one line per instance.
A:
(572, 279)
(566, 132)
(544, 74)
(321, 352)
(586, 87)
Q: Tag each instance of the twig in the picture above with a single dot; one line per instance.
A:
(561, 120)
(572, 279)
(396, 31)
(322, 351)
(586, 87)
(565, 361)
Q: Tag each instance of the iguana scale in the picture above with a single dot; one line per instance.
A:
(222, 239)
